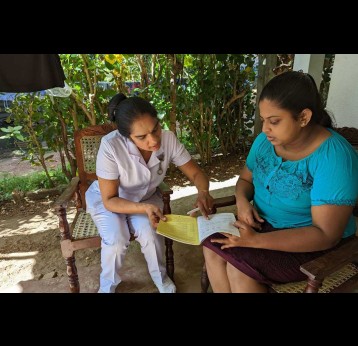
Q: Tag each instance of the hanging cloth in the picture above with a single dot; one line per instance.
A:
(30, 72)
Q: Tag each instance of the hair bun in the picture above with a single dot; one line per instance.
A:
(113, 104)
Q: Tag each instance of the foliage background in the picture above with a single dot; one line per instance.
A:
(206, 99)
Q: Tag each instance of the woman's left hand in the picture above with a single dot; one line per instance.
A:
(205, 203)
(246, 239)
(201, 181)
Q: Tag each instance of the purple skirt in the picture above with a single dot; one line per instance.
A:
(266, 266)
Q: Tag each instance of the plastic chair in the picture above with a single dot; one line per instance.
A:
(82, 232)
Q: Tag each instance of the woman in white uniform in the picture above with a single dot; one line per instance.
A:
(131, 163)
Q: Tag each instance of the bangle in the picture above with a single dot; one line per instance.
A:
(203, 191)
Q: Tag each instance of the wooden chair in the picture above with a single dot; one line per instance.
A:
(334, 272)
(82, 232)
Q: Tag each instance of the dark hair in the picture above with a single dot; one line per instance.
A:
(295, 91)
(123, 111)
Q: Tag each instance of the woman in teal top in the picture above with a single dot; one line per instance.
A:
(286, 190)
(302, 178)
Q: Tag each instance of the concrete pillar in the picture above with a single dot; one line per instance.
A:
(342, 98)
(310, 63)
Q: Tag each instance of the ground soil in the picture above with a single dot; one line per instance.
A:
(29, 229)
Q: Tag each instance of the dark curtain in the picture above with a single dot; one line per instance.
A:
(30, 72)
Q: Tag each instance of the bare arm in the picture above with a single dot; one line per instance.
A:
(244, 186)
(328, 224)
(201, 182)
(244, 194)
(113, 203)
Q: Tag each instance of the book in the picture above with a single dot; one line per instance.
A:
(194, 230)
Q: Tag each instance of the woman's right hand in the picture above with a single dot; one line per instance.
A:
(247, 213)
(154, 214)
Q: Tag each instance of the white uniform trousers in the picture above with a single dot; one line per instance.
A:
(114, 230)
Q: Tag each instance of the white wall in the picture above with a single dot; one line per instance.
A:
(343, 91)
(310, 63)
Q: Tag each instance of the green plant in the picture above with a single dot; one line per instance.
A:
(30, 182)
(205, 98)
(12, 132)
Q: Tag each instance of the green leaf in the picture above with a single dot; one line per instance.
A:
(109, 66)
(221, 57)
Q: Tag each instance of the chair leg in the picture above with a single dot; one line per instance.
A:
(67, 251)
(313, 285)
(72, 274)
(204, 280)
(169, 254)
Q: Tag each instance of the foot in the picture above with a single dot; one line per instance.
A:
(168, 286)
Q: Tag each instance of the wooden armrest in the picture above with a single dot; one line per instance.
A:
(67, 195)
(224, 201)
(164, 189)
(327, 264)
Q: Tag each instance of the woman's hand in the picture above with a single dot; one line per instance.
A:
(246, 239)
(154, 214)
(248, 214)
(204, 202)
(201, 181)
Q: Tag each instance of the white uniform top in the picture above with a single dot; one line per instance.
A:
(119, 158)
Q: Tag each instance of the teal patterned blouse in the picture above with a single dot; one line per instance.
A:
(286, 190)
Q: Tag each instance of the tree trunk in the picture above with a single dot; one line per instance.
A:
(173, 92)
(267, 62)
